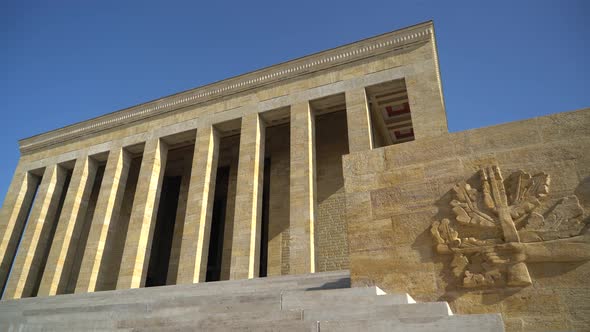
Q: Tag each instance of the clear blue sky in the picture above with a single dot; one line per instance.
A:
(66, 61)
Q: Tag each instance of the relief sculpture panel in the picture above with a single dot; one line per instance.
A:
(504, 224)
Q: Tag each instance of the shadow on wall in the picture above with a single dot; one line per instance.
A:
(341, 283)
(583, 193)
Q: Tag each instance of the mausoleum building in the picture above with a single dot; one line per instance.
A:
(340, 160)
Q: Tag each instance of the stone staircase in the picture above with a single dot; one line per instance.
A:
(313, 302)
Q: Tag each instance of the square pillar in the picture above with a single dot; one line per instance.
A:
(70, 224)
(108, 206)
(358, 118)
(228, 229)
(13, 217)
(25, 270)
(172, 277)
(245, 254)
(194, 250)
(136, 254)
(425, 95)
(302, 192)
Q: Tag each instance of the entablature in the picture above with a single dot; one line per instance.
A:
(250, 82)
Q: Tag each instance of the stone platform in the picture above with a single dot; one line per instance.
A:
(291, 303)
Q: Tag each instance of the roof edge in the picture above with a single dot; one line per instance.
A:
(354, 51)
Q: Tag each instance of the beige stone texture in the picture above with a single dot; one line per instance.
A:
(107, 211)
(197, 222)
(26, 269)
(13, 217)
(302, 193)
(426, 103)
(80, 243)
(229, 219)
(70, 224)
(185, 180)
(277, 148)
(245, 252)
(331, 243)
(136, 254)
(115, 241)
(358, 116)
(395, 193)
(229, 149)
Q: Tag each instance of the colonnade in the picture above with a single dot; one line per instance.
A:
(42, 265)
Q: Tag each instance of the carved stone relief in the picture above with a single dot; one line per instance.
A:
(501, 226)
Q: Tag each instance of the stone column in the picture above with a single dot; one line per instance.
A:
(358, 118)
(136, 255)
(302, 190)
(13, 217)
(425, 95)
(25, 270)
(108, 206)
(228, 230)
(194, 250)
(172, 277)
(70, 224)
(245, 255)
(278, 213)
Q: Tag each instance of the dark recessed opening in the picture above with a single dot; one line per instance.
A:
(215, 254)
(163, 232)
(263, 272)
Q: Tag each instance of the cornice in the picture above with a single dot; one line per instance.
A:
(359, 50)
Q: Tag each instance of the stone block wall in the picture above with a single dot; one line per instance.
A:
(331, 245)
(395, 194)
(277, 149)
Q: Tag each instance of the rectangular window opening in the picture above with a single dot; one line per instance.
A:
(391, 117)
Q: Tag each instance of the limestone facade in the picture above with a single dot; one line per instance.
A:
(398, 195)
(338, 160)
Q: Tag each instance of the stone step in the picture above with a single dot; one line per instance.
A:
(63, 326)
(479, 323)
(324, 280)
(201, 303)
(166, 318)
(137, 312)
(377, 312)
(314, 302)
(291, 326)
(352, 296)
(205, 321)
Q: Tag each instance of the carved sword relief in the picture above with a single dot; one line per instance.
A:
(507, 223)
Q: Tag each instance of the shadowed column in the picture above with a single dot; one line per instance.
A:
(106, 213)
(358, 119)
(136, 255)
(25, 270)
(172, 277)
(302, 190)
(61, 254)
(13, 217)
(245, 255)
(228, 229)
(194, 250)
